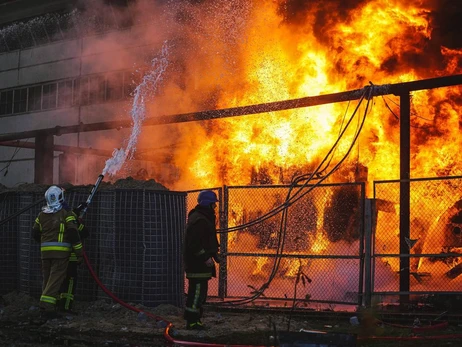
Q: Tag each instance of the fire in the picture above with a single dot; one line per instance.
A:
(259, 263)
(273, 52)
(319, 242)
(262, 51)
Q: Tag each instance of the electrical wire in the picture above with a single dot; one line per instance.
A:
(306, 177)
(412, 114)
(16, 150)
(291, 200)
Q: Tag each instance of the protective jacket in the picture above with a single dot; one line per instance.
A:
(83, 234)
(58, 234)
(201, 243)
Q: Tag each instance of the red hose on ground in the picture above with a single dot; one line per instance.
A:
(439, 326)
(171, 340)
(410, 338)
(415, 329)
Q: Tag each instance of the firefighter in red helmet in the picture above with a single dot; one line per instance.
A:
(200, 254)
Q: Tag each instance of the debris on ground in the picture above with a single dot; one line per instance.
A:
(107, 323)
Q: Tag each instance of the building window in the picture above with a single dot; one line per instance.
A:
(6, 102)
(76, 93)
(84, 91)
(20, 100)
(97, 89)
(130, 83)
(49, 96)
(80, 91)
(65, 94)
(115, 85)
(35, 98)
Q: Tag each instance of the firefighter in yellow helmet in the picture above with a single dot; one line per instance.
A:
(57, 231)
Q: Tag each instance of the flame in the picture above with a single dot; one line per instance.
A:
(266, 51)
(259, 263)
(256, 52)
(320, 242)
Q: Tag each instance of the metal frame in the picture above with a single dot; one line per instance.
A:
(404, 255)
(224, 212)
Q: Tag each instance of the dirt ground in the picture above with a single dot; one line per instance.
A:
(105, 323)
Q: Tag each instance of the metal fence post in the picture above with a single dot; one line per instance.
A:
(368, 225)
(222, 273)
(404, 197)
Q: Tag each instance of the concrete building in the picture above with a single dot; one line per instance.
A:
(55, 73)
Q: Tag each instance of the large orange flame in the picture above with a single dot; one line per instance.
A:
(242, 53)
(265, 51)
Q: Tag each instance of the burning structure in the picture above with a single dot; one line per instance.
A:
(228, 54)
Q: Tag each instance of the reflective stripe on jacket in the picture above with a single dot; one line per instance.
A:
(58, 234)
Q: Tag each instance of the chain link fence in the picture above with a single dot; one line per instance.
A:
(319, 244)
(434, 245)
(316, 255)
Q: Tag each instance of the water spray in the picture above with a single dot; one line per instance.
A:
(144, 91)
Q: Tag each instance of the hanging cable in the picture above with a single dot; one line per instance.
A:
(292, 199)
(308, 177)
(16, 150)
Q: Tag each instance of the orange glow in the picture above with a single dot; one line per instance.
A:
(254, 52)
(320, 242)
(259, 263)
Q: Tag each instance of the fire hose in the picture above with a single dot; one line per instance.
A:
(91, 195)
(169, 326)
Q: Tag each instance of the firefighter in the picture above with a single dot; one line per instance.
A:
(200, 254)
(56, 230)
(69, 285)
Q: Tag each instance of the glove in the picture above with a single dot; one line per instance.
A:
(36, 235)
(80, 208)
(209, 262)
(79, 260)
(216, 257)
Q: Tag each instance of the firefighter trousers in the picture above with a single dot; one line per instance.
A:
(67, 295)
(196, 297)
(53, 272)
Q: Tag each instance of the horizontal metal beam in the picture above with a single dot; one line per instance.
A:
(59, 148)
(387, 89)
(141, 153)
